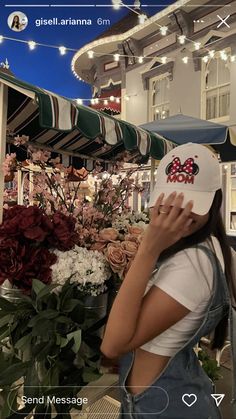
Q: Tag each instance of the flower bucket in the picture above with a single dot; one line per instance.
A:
(7, 291)
(96, 309)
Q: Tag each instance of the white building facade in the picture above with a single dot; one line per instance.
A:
(182, 59)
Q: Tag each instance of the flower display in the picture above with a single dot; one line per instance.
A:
(88, 269)
(27, 236)
(20, 263)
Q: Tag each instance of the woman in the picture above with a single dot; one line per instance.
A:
(159, 315)
(16, 26)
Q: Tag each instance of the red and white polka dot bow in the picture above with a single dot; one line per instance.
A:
(177, 167)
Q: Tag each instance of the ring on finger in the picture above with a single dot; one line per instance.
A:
(163, 212)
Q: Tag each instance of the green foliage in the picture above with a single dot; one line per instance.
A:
(209, 365)
(48, 346)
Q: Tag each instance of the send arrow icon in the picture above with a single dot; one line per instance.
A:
(218, 398)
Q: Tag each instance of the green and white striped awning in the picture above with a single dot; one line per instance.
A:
(79, 133)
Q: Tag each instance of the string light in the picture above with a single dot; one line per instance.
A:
(32, 45)
(223, 55)
(205, 59)
(105, 102)
(116, 57)
(62, 50)
(96, 100)
(1, 39)
(197, 45)
(90, 54)
(212, 53)
(182, 39)
(92, 101)
(185, 60)
(127, 98)
(164, 60)
(79, 101)
(116, 4)
(140, 60)
(163, 30)
(233, 58)
(112, 98)
(117, 100)
(142, 19)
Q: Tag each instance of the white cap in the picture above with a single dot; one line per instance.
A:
(192, 169)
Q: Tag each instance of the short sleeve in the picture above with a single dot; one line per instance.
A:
(187, 277)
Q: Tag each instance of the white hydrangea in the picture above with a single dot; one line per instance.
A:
(88, 268)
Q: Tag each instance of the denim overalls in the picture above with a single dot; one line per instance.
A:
(183, 374)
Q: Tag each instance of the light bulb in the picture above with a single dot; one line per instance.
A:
(182, 39)
(112, 98)
(163, 30)
(92, 101)
(127, 98)
(90, 54)
(212, 54)
(116, 57)
(233, 58)
(185, 60)
(142, 19)
(62, 50)
(116, 4)
(79, 101)
(1, 38)
(164, 60)
(223, 55)
(205, 59)
(117, 100)
(197, 45)
(96, 100)
(105, 102)
(140, 60)
(32, 45)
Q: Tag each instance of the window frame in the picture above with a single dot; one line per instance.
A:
(151, 106)
(220, 119)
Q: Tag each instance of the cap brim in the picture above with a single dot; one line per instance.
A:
(201, 200)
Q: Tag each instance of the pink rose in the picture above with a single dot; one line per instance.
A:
(99, 246)
(108, 234)
(135, 230)
(131, 238)
(116, 258)
(130, 248)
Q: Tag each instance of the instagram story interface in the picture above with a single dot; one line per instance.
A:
(112, 301)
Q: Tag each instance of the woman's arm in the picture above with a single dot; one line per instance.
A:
(133, 319)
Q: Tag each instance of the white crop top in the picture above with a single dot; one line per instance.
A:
(188, 278)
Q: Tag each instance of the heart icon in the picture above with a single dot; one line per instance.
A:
(189, 399)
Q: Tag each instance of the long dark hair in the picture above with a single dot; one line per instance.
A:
(15, 24)
(215, 227)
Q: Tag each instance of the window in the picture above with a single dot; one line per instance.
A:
(216, 89)
(159, 97)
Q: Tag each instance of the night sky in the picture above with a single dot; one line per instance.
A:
(45, 67)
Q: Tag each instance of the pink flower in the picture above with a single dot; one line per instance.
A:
(116, 258)
(135, 230)
(130, 248)
(108, 234)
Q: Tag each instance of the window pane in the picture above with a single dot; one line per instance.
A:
(160, 91)
(224, 101)
(211, 77)
(211, 104)
(223, 72)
